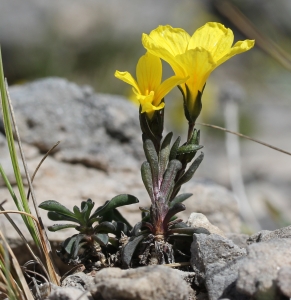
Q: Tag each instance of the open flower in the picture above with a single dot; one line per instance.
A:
(195, 56)
(148, 87)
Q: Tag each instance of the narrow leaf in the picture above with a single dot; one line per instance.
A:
(174, 149)
(164, 154)
(180, 198)
(152, 158)
(190, 172)
(60, 217)
(189, 230)
(146, 175)
(117, 201)
(105, 227)
(52, 205)
(128, 250)
(120, 227)
(178, 207)
(118, 217)
(57, 227)
(169, 178)
(101, 238)
(188, 149)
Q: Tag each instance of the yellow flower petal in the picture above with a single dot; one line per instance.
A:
(148, 73)
(239, 47)
(167, 42)
(166, 87)
(213, 37)
(127, 77)
(198, 63)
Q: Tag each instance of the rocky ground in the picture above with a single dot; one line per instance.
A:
(99, 157)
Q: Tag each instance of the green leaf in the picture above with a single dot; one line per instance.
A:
(180, 198)
(169, 179)
(101, 238)
(146, 175)
(136, 229)
(76, 245)
(195, 139)
(59, 217)
(68, 243)
(52, 205)
(189, 230)
(164, 154)
(190, 172)
(185, 149)
(178, 207)
(174, 149)
(121, 227)
(22, 205)
(86, 207)
(104, 227)
(128, 250)
(79, 215)
(152, 158)
(114, 241)
(117, 201)
(57, 227)
(118, 217)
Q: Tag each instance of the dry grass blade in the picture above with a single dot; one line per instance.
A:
(245, 136)
(52, 270)
(40, 163)
(23, 288)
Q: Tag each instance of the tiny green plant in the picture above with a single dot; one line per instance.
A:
(88, 245)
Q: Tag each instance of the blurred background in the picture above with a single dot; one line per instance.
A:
(86, 41)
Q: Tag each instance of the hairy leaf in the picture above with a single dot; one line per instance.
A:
(101, 238)
(57, 227)
(117, 201)
(190, 172)
(104, 227)
(146, 175)
(52, 205)
(188, 149)
(169, 178)
(178, 207)
(128, 250)
(174, 149)
(60, 217)
(189, 230)
(180, 198)
(164, 154)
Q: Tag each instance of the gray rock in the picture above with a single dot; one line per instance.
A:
(221, 280)
(79, 280)
(198, 220)
(240, 239)
(99, 131)
(266, 235)
(147, 283)
(259, 270)
(210, 249)
(284, 281)
(69, 293)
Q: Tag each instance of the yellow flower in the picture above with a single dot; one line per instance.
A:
(195, 56)
(148, 87)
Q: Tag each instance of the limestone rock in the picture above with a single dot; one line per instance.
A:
(284, 281)
(198, 220)
(146, 283)
(259, 271)
(210, 249)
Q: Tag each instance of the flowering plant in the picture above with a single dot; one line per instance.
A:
(168, 166)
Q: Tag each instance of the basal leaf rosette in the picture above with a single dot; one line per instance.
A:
(194, 56)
